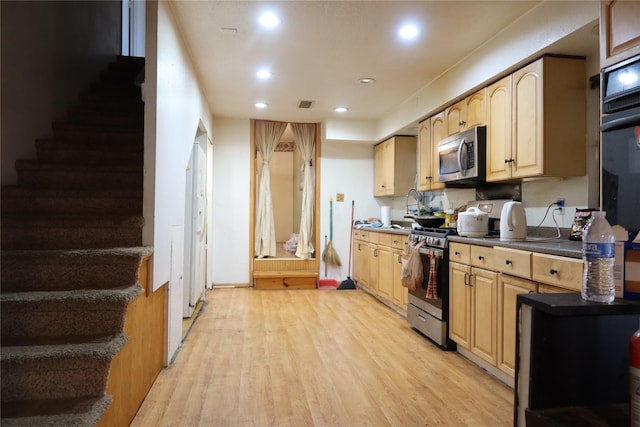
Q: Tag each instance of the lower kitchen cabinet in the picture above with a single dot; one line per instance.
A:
(484, 283)
(361, 257)
(384, 257)
(400, 293)
(460, 304)
(377, 265)
(508, 289)
(484, 314)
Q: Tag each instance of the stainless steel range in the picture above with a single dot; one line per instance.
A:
(430, 314)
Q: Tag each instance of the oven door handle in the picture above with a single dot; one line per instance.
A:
(621, 123)
(438, 253)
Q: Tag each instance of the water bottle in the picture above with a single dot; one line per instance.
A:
(598, 253)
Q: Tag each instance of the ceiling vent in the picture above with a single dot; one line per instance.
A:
(305, 104)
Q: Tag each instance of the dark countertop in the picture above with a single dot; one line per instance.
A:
(547, 245)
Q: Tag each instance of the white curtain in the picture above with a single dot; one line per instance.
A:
(304, 135)
(267, 136)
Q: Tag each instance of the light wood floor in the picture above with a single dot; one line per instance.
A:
(317, 358)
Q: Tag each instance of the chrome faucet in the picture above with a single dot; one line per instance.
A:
(417, 196)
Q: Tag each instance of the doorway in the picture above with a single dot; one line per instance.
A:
(195, 250)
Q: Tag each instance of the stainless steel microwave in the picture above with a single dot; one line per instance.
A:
(462, 157)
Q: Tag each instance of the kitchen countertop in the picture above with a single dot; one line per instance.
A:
(551, 246)
(548, 245)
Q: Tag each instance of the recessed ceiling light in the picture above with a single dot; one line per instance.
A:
(263, 73)
(341, 109)
(261, 104)
(367, 80)
(268, 20)
(408, 31)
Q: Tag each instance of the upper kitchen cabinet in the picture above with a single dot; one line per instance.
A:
(543, 131)
(394, 163)
(619, 31)
(471, 111)
(499, 129)
(428, 157)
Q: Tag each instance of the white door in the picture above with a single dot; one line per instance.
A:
(195, 227)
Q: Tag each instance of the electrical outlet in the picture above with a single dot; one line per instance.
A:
(560, 205)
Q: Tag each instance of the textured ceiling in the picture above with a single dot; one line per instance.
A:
(321, 48)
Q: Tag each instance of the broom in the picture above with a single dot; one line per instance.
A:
(330, 256)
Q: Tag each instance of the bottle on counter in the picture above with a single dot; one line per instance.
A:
(598, 253)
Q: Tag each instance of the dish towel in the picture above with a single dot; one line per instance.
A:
(432, 284)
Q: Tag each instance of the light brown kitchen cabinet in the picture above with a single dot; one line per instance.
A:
(558, 271)
(548, 121)
(361, 257)
(438, 131)
(427, 159)
(394, 166)
(509, 288)
(473, 299)
(460, 304)
(499, 130)
(619, 31)
(469, 112)
(377, 265)
(385, 258)
(484, 314)
(400, 293)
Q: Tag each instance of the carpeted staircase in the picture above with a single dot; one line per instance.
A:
(71, 249)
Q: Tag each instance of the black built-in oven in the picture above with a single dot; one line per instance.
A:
(620, 151)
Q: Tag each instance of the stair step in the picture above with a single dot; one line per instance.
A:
(65, 371)
(31, 317)
(32, 173)
(68, 132)
(56, 202)
(55, 412)
(86, 116)
(21, 233)
(52, 151)
(66, 270)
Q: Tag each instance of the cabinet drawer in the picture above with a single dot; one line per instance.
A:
(558, 271)
(384, 238)
(373, 236)
(398, 241)
(513, 261)
(482, 256)
(459, 252)
(360, 235)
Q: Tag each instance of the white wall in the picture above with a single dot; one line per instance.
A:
(179, 109)
(51, 52)
(231, 201)
(344, 168)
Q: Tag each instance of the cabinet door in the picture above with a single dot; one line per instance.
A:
(619, 31)
(378, 170)
(425, 162)
(459, 304)
(400, 293)
(527, 125)
(374, 270)
(499, 130)
(361, 262)
(476, 106)
(455, 117)
(509, 288)
(484, 324)
(384, 256)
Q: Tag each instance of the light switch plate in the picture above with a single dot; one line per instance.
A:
(339, 197)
